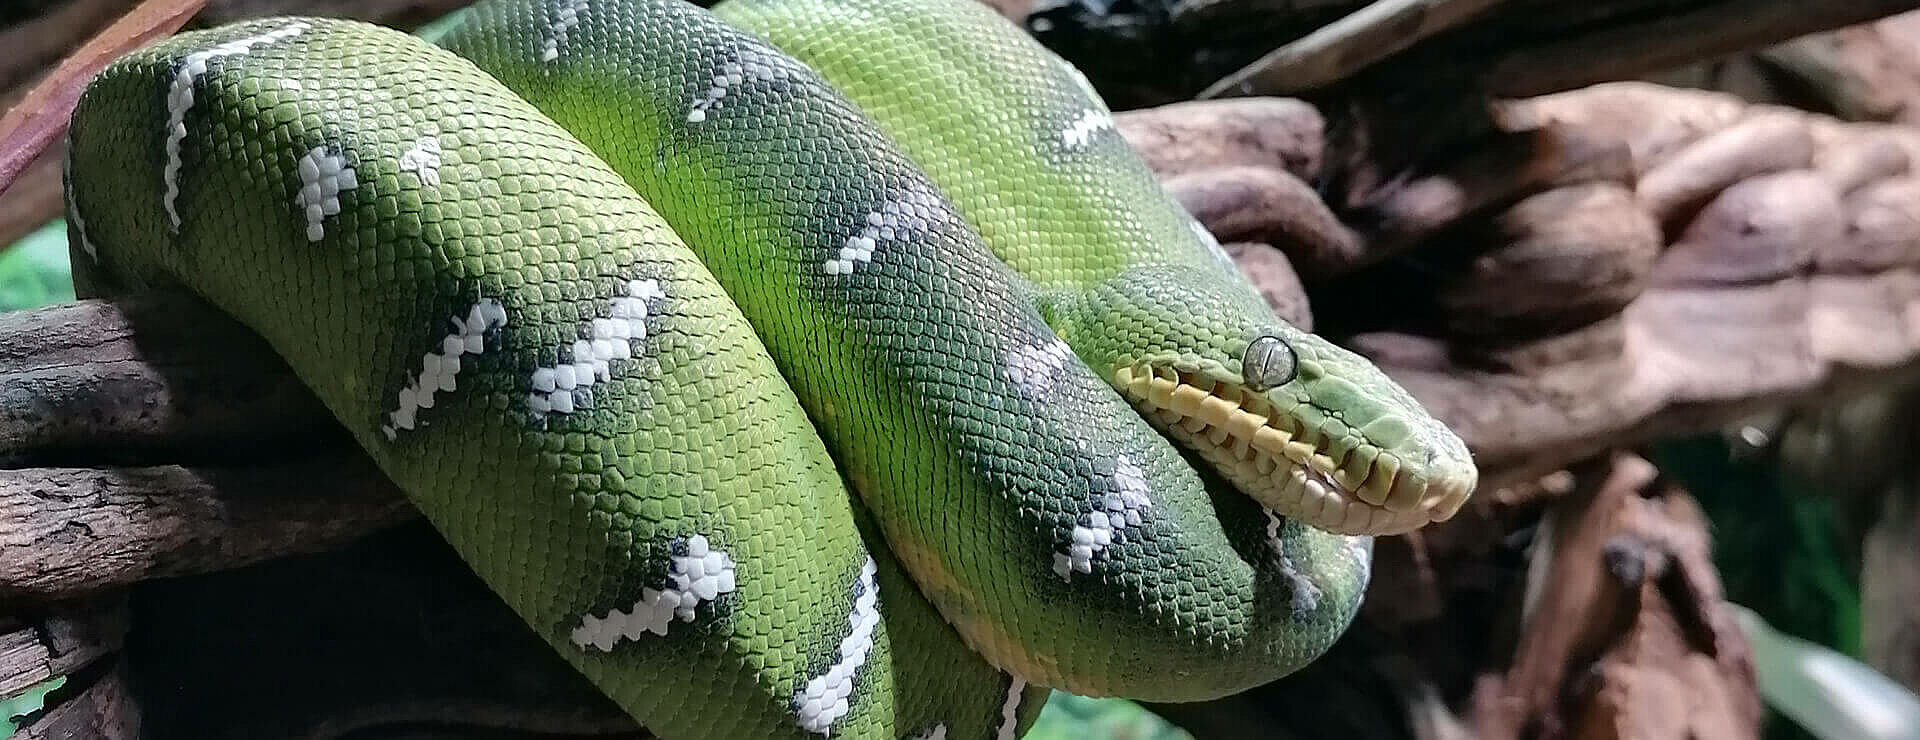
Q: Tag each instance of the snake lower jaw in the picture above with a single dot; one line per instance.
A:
(1289, 467)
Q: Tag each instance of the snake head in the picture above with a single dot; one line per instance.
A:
(1310, 429)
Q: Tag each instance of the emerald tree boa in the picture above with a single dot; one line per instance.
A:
(797, 368)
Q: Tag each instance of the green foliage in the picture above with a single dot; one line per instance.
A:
(1826, 693)
(1069, 717)
(432, 30)
(26, 703)
(1779, 548)
(1777, 545)
(34, 271)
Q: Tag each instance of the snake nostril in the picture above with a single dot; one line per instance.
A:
(1269, 361)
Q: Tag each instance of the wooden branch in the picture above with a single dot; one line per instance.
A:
(149, 379)
(61, 639)
(71, 531)
(1677, 188)
(1404, 210)
(79, 640)
(1268, 205)
(104, 708)
(36, 45)
(1337, 50)
(1622, 588)
(1853, 156)
(159, 393)
(1568, 257)
(1179, 138)
(1273, 274)
(41, 117)
(1761, 229)
(229, 459)
(1698, 360)
(1627, 50)
(36, 196)
(1584, 605)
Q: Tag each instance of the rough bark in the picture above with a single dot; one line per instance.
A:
(72, 531)
(1582, 605)
(79, 640)
(1334, 47)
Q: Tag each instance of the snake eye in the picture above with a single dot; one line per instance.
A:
(1269, 362)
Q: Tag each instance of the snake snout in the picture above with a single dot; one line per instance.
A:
(1306, 444)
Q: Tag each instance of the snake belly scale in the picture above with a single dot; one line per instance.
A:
(740, 409)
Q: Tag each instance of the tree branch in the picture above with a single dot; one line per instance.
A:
(1337, 50)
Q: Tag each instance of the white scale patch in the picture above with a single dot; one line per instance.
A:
(423, 160)
(1035, 367)
(180, 100)
(1361, 550)
(323, 177)
(700, 575)
(895, 218)
(438, 368)
(1010, 710)
(1081, 131)
(825, 698)
(612, 339)
(730, 75)
(565, 19)
(1115, 513)
(1306, 596)
(936, 732)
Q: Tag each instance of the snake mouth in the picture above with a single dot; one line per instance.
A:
(1330, 479)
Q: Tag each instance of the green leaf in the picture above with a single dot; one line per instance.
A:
(35, 271)
(1069, 717)
(1826, 692)
(21, 705)
(431, 31)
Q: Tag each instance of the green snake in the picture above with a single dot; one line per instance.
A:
(795, 368)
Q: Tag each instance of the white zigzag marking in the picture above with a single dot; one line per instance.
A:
(1010, 710)
(700, 575)
(1114, 514)
(180, 100)
(1035, 367)
(1306, 596)
(73, 210)
(1081, 132)
(323, 176)
(437, 369)
(825, 698)
(730, 74)
(913, 209)
(554, 387)
(568, 17)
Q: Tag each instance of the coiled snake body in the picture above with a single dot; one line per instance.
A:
(864, 386)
